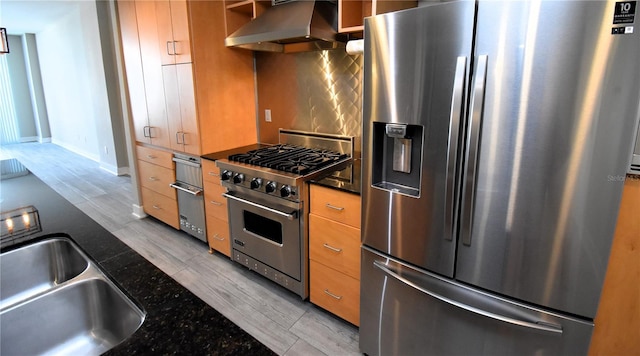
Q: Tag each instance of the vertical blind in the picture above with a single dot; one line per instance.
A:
(8, 126)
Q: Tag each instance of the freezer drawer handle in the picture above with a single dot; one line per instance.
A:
(192, 192)
(291, 216)
(544, 326)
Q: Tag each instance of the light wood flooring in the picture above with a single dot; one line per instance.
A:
(273, 315)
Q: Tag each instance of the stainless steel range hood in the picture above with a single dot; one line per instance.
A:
(300, 25)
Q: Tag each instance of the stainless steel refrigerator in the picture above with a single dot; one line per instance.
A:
(495, 136)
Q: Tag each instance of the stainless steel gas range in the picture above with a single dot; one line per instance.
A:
(268, 202)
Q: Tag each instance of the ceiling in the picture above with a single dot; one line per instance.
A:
(32, 16)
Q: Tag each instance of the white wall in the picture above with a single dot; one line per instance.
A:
(73, 78)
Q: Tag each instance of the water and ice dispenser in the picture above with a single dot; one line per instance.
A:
(397, 157)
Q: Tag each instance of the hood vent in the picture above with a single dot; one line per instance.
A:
(293, 26)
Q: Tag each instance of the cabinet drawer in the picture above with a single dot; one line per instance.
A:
(210, 173)
(336, 205)
(335, 292)
(218, 235)
(160, 207)
(156, 178)
(214, 203)
(334, 244)
(152, 155)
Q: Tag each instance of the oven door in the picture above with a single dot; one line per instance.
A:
(268, 232)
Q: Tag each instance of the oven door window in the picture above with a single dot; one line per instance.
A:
(263, 227)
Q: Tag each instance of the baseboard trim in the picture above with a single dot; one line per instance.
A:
(118, 171)
(138, 212)
(45, 140)
(29, 139)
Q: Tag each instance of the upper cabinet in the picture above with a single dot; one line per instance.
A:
(351, 13)
(174, 40)
(239, 12)
(188, 92)
(144, 72)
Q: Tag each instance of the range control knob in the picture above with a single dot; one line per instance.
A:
(256, 183)
(285, 191)
(270, 187)
(238, 178)
(226, 175)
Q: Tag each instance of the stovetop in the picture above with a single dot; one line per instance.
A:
(289, 158)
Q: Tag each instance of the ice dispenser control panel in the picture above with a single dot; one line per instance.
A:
(397, 156)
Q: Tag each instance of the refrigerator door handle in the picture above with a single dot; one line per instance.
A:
(457, 100)
(543, 326)
(473, 139)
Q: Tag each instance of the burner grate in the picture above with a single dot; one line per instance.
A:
(289, 158)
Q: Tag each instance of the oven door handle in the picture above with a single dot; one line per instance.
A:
(291, 216)
(195, 192)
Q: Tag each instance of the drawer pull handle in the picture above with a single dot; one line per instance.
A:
(338, 297)
(151, 157)
(156, 207)
(334, 207)
(153, 179)
(217, 237)
(214, 174)
(216, 203)
(332, 248)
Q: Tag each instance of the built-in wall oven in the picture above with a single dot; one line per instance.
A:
(268, 201)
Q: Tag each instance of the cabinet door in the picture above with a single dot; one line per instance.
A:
(181, 108)
(152, 72)
(173, 31)
(191, 137)
(165, 34)
(133, 68)
(172, 100)
(180, 27)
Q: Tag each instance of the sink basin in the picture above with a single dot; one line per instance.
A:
(38, 267)
(57, 301)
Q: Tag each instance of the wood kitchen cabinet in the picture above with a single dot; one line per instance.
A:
(144, 72)
(334, 252)
(200, 103)
(174, 40)
(181, 108)
(155, 172)
(239, 12)
(215, 209)
(351, 13)
(617, 323)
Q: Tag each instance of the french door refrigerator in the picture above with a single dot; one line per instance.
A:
(496, 137)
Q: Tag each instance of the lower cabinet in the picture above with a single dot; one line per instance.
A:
(334, 253)
(335, 292)
(160, 207)
(156, 171)
(218, 235)
(215, 206)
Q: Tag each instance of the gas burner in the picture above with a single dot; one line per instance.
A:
(289, 158)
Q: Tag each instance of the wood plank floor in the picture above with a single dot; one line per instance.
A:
(273, 315)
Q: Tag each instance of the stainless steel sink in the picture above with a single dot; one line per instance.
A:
(56, 301)
(38, 267)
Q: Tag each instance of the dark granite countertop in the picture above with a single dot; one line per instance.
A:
(224, 154)
(176, 320)
(348, 179)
